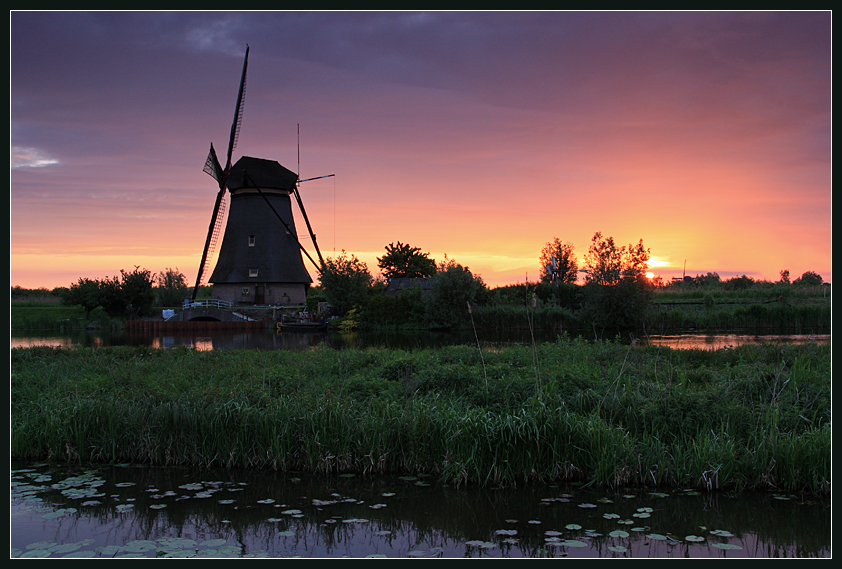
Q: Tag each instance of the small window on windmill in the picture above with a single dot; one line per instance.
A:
(251, 240)
(252, 272)
(245, 291)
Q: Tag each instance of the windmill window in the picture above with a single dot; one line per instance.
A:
(245, 291)
(252, 272)
(251, 240)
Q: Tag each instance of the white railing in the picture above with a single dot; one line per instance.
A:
(207, 302)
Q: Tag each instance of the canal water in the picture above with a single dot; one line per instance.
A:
(271, 340)
(119, 511)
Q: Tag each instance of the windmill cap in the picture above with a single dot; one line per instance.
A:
(249, 172)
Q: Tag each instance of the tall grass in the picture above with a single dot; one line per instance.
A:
(749, 417)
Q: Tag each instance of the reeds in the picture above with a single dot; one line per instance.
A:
(748, 417)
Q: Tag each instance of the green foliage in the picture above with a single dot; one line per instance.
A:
(453, 290)
(85, 293)
(616, 293)
(609, 414)
(403, 261)
(171, 288)
(345, 281)
(558, 262)
(405, 309)
(607, 264)
(808, 278)
(618, 307)
(129, 296)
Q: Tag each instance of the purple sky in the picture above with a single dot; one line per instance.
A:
(479, 135)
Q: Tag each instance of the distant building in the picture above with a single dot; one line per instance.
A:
(397, 285)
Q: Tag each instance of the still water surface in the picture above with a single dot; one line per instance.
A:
(271, 340)
(61, 510)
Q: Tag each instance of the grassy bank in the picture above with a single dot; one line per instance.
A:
(750, 417)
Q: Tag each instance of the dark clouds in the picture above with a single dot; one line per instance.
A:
(125, 104)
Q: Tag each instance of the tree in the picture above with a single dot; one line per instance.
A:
(617, 292)
(454, 288)
(785, 276)
(808, 278)
(345, 281)
(403, 261)
(85, 293)
(131, 295)
(136, 293)
(557, 259)
(171, 287)
(606, 263)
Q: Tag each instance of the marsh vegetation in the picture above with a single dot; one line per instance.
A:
(600, 413)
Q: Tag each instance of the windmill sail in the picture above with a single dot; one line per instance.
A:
(213, 168)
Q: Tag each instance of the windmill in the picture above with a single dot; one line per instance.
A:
(260, 259)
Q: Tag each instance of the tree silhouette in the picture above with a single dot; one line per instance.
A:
(403, 261)
(566, 266)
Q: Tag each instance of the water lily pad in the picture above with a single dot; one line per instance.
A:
(286, 533)
(65, 547)
(656, 536)
(573, 526)
(213, 542)
(416, 553)
(108, 550)
(173, 543)
(481, 544)
(587, 505)
(618, 533)
(617, 548)
(727, 546)
(611, 516)
(721, 533)
(139, 546)
(37, 553)
(574, 543)
(158, 506)
(506, 532)
(85, 553)
(58, 513)
(694, 538)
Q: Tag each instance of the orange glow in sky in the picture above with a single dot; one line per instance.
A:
(480, 136)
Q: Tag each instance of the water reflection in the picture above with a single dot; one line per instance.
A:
(271, 340)
(109, 511)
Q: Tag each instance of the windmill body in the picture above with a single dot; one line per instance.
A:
(260, 258)
(259, 261)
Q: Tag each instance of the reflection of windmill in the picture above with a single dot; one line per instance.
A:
(260, 259)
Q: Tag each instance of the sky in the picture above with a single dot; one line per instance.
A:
(479, 136)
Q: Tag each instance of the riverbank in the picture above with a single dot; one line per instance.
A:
(751, 417)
